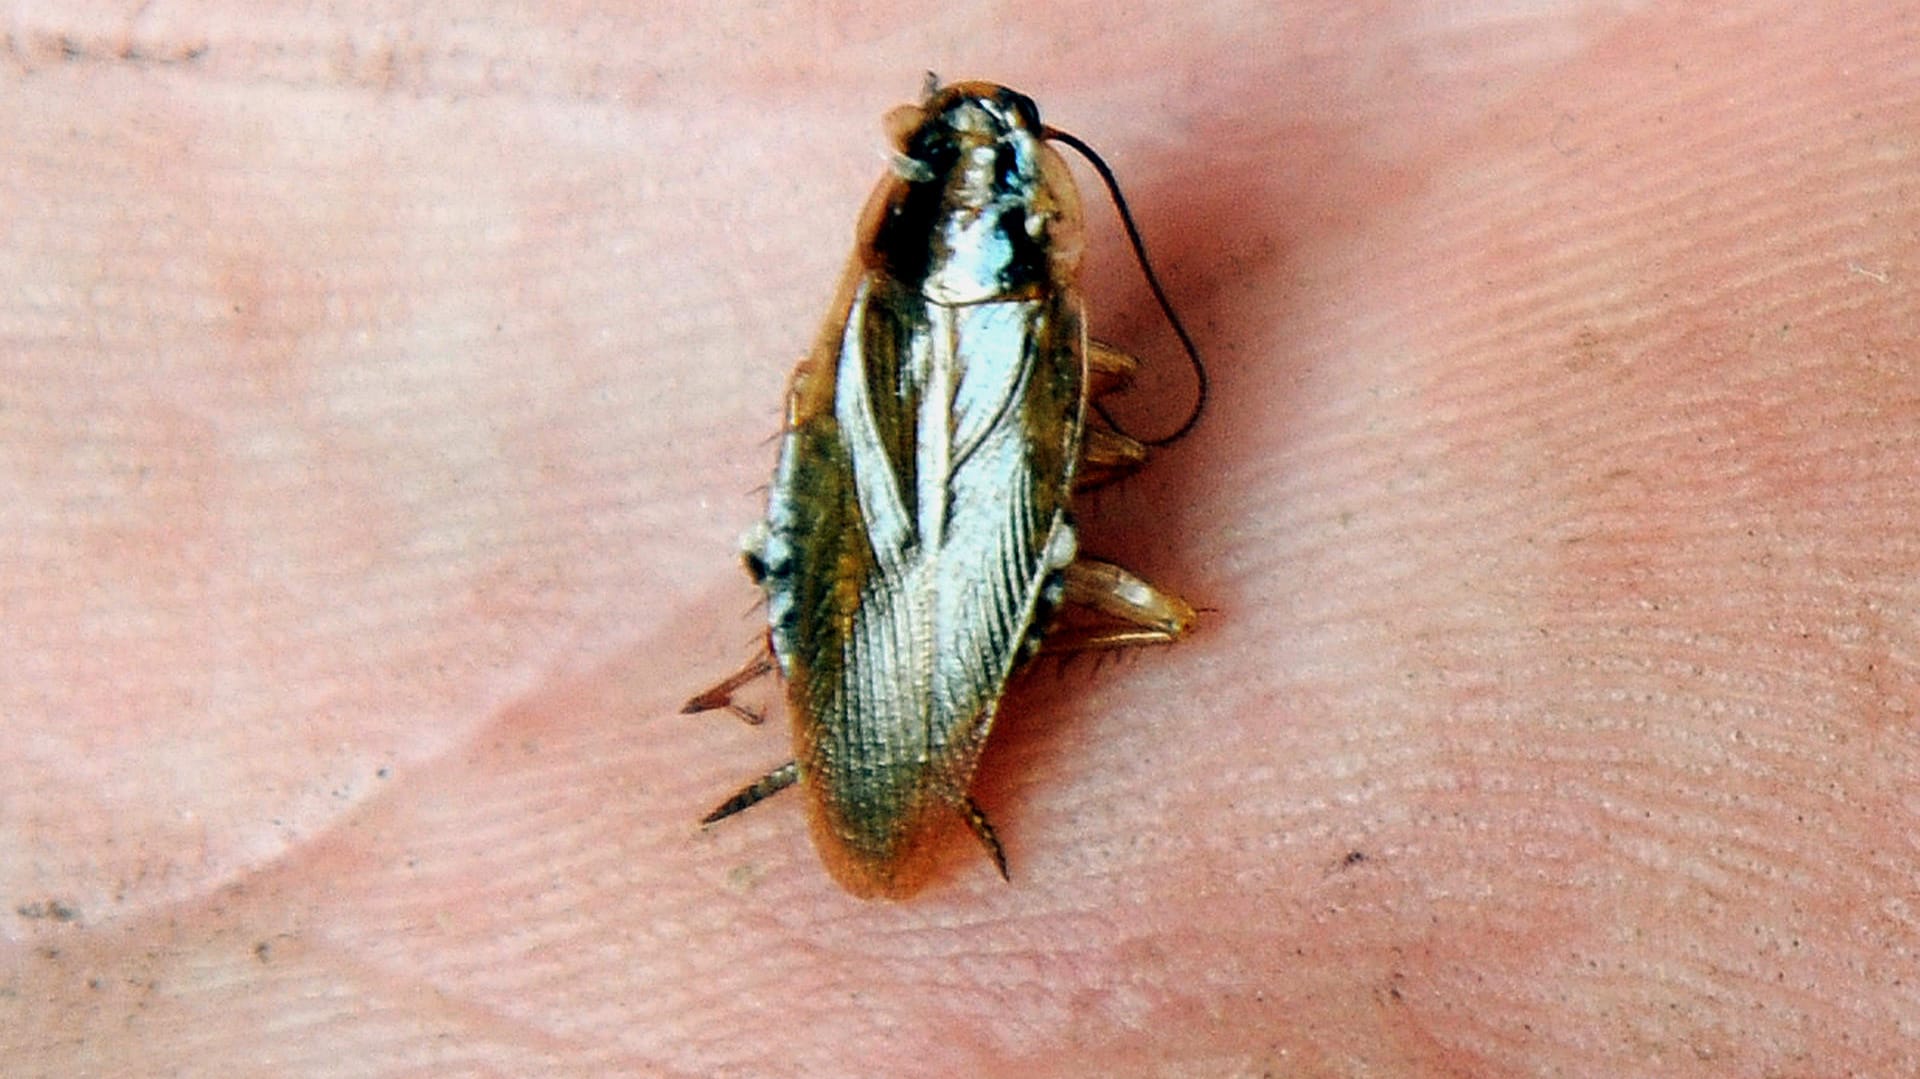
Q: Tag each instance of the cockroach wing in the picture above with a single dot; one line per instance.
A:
(919, 509)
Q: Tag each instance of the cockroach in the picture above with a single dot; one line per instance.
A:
(919, 545)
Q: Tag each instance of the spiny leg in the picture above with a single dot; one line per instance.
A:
(1130, 611)
(1106, 456)
(755, 792)
(983, 831)
(1108, 369)
(721, 695)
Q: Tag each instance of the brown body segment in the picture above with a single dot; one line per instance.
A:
(918, 545)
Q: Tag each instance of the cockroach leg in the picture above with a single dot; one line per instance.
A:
(721, 695)
(1106, 456)
(983, 831)
(1128, 611)
(1108, 369)
(753, 793)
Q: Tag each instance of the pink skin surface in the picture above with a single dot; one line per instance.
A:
(381, 397)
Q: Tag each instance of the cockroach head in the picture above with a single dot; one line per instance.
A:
(983, 127)
(978, 205)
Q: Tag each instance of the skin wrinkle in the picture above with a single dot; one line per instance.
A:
(382, 397)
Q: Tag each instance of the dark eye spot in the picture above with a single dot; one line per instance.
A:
(1023, 107)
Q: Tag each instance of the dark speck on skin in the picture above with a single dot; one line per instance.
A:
(50, 908)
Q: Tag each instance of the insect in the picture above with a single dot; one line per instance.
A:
(919, 545)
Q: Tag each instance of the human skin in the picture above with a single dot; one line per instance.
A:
(381, 401)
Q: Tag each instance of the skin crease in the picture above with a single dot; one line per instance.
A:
(382, 400)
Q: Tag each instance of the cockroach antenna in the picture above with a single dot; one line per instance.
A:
(1153, 285)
